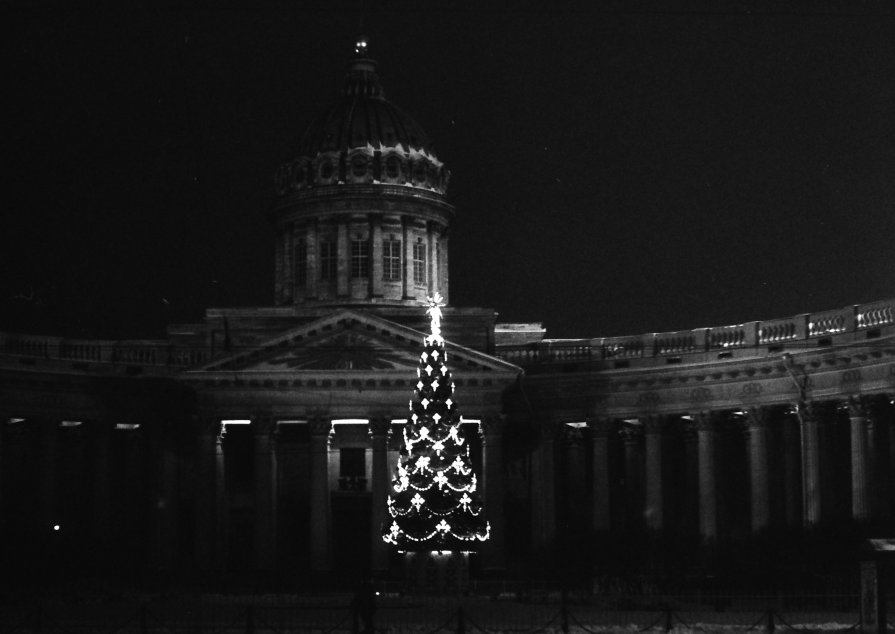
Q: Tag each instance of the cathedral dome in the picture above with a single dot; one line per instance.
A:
(360, 215)
(363, 138)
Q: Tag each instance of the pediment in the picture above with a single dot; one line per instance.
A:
(352, 342)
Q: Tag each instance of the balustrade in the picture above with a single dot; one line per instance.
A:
(849, 319)
(876, 314)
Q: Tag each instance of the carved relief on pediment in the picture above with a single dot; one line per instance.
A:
(344, 351)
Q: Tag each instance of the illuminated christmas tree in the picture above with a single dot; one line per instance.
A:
(434, 500)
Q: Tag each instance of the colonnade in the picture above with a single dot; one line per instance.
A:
(380, 439)
(739, 472)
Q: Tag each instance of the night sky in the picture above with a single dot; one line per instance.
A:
(617, 168)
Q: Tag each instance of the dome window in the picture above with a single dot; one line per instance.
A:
(300, 175)
(326, 170)
(419, 173)
(359, 166)
(392, 167)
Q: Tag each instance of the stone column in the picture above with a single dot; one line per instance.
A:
(321, 538)
(289, 263)
(631, 435)
(757, 421)
(343, 259)
(313, 261)
(376, 251)
(812, 500)
(168, 508)
(860, 472)
(408, 257)
(49, 457)
(601, 520)
(102, 482)
(206, 526)
(264, 430)
(379, 433)
(707, 440)
(792, 494)
(494, 550)
(221, 502)
(543, 492)
(443, 253)
(655, 499)
(431, 262)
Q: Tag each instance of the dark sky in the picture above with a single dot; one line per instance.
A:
(617, 167)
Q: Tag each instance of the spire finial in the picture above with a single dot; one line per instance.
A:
(360, 46)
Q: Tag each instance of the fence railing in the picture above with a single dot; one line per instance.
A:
(418, 615)
(809, 329)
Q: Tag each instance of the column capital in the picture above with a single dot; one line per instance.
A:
(757, 417)
(708, 420)
(549, 430)
(263, 424)
(653, 424)
(493, 424)
(320, 426)
(858, 406)
(379, 426)
(209, 425)
(631, 433)
(572, 435)
(600, 427)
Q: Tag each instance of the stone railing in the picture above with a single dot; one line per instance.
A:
(862, 321)
(124, 352)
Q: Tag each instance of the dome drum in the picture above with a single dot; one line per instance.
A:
(363, 165)
(361, 258)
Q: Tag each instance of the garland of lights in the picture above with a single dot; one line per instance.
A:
(434, 500)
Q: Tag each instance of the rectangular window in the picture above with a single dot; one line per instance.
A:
(391, 259)
(301, 262)
(328, 261)
(419, 264)
(360, 259)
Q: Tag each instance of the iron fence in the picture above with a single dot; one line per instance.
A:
(549, 612)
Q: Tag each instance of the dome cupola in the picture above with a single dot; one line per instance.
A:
(360, 212)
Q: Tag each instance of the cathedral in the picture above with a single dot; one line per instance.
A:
(258, 446)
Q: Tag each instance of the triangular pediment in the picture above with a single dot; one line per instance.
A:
(348, 341)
